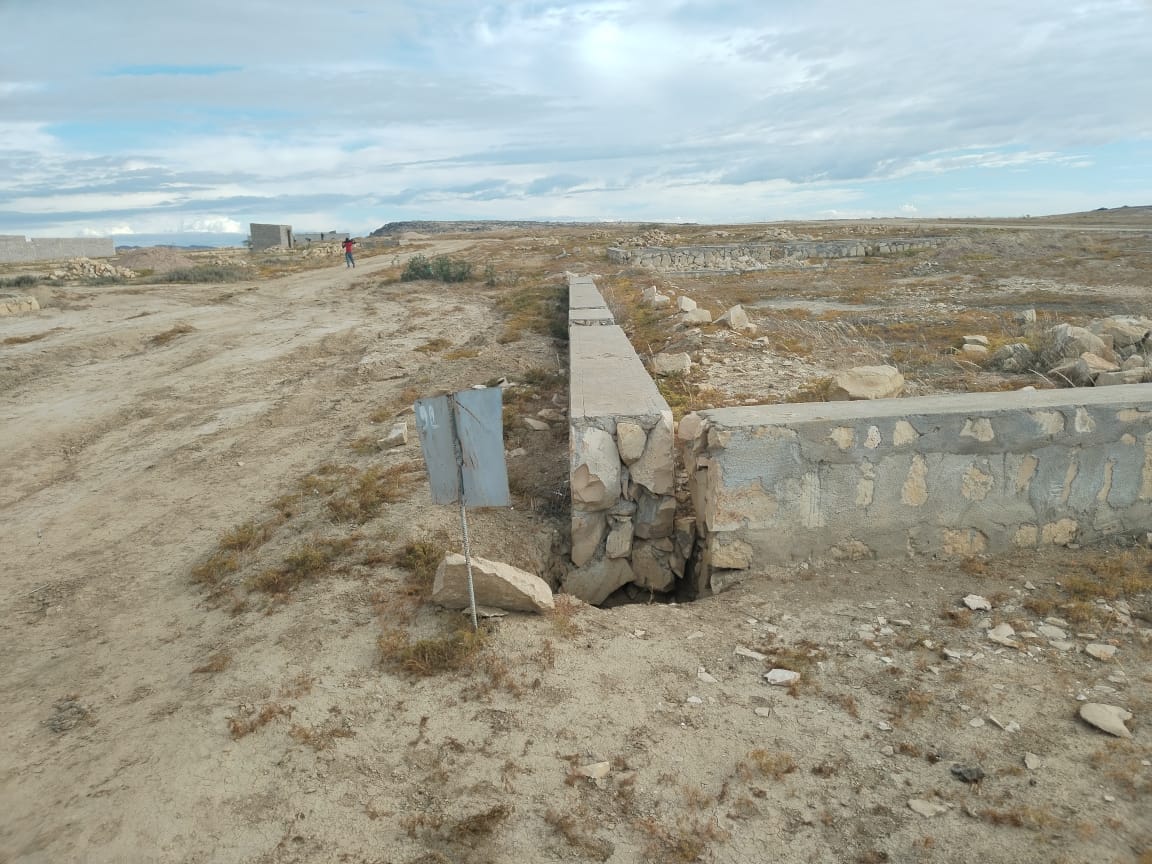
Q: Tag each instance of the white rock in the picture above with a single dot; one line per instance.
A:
(671, 364)
(1050, 632)
(763, 712)
(866, 382)
(694, 700)
(976, 603)
(397, 435)
(685, 304)
(927, 809)
(654, 470)
(884, 726)
(976, 340)
(741, 651)
(1100, 651)
(1002, 634)
(781, 677)
(737, 319)
(594, 770)
(1033, 762)
(595, 474)
(535, 425)
(976, 722)
(496, 584)
(631, 438)
(1061, 645)
(698, 316)
(703, 675)
(1107, 718)
(593, 582)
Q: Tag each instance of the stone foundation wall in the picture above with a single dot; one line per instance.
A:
(760, 256)
(624, 526)
(18, 249)
(951, 475)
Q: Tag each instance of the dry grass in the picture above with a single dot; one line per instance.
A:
(424, 658)
(1032, 818)
(34, 337)
(216, 662)
(170, 334)
(322, 736)
(372, 489)
(539, 308)
(685, 841)
(579, 836)
(774, 764)
(307, 561)
(563, 615)
(253, 719)
(432, 346)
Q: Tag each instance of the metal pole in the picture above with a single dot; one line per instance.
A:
(463, 511)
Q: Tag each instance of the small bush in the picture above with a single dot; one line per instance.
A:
(426, 657)
(170, 334)
(204, 273)
(441, 269)
(24, 280)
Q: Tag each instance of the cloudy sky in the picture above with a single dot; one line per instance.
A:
(138, 116)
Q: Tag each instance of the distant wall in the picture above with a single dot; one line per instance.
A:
(270, 236)
(303, 239)
(760, 256)
(949, 475)
(18, 249)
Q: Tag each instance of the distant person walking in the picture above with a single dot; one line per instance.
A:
(349, 261)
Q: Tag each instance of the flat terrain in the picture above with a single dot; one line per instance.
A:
(213, 575)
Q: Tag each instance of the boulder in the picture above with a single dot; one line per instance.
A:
(587, 531)
(619, 543)
(595, 470)
(1065, 342)
(654, 470)
(1071, 373)
(974, 352)
(594, 582)
(685, 304)
(737, 319)
(1016, 357)
(1136, 361)
(630, 438)
(398, 435)
(976, 340)
(698, 316)
(1125, 332)
(1124, 376)
(671, 364)
(1106, 718)
(497, 585)
(650, 567)
(866, 382)
(655, 515)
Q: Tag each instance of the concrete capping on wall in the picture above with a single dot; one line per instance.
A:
(761, 256)
(624, 526)
(950, 475)
(18, 249)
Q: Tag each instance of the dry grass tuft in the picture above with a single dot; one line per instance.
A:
(321, 737)
(766, 763)
(578, 836)
(372, 489)
(252, 720)
(424, 658)
(305, 562)
(563, 615)
(434, 345)
(217, 662)
(685, 841)
(172, 333)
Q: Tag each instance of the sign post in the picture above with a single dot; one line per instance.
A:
(462, 437)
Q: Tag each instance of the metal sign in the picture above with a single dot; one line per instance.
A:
(462, 436)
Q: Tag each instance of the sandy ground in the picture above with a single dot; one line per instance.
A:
(125, 458)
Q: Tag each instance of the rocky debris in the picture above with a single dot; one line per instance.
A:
(671, 364)
(741, 651)
(968, 773)
(1049, 631)
(397, 435)
(1140, 375)
(1033, 762)
(496, 584)
(685, 304)
(654, 237)
(17, 304)
(1106, 718)
(982, 341)
(86, 268)
(702, 674)
(737, 319)
(697, 316)
(1066, 342)
(534, 425)
(866, 382)
(1002, 634)
(977, 603)
(655, 299)
(594, 770)
(1123, 332)
(1100, 651)
(595, 581)
(927, 809)
(974, 352)
(551, 415)
(781, 677)
(1015, 357)
(68, 714)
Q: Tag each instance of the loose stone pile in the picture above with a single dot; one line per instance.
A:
(1115, 350)
(321, 250)
(17, 304)
(744, 257)
(86, 268)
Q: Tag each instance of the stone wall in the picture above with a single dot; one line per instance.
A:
(18, 249)
(624, 526)
(951, 475)
(760, 256)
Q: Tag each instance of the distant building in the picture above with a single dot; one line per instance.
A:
(270, 236)
(305, 238)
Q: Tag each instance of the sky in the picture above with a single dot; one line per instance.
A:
(123, 117)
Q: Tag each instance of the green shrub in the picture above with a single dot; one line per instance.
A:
(25, 280)
(442, 269)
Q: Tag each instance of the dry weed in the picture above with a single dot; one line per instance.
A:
(251, 719)
(216, 662)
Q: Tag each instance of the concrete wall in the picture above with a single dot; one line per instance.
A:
(270, 236)
(952, 475)
(308, 237)
(760, 256)
(18, 249)
(624, 526)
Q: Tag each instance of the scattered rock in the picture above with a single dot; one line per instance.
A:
(685, 304)
(671, 364)
(397, 435)
(927, 809)
(1002, 635)
(1106, 718)
(694, 700)
(703, 675)
(737, 319)
(18, 304)
(968, 773)
(976, 722)
(594, 770)
(1048, 631)
(976, 340)
(1100, 651)
(1033, 762)
(763, 712)
(535, 425)
(1016, 357)
(698, 316)
(781, 677)
(977, 603)
(866, 382)
(741, 651)
(496, 584)
(630, 438)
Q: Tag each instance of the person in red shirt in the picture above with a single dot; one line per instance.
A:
(349, 261)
